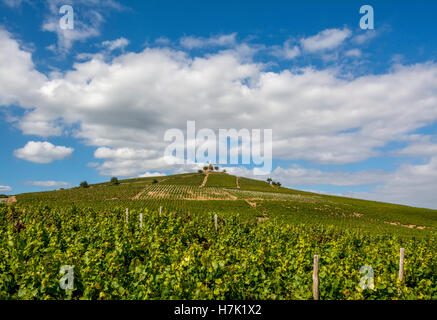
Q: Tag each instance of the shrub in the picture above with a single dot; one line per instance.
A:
(114, 181)
(200, 171)
(84, 184)
(155, 181)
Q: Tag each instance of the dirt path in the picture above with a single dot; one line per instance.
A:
(411, 226)
(231, 196)
(139, 194)
(252, 204)
(204, 180)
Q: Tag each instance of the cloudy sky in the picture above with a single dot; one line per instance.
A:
(353, 112)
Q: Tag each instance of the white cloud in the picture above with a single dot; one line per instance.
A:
(92, 164)
(225, 40)
(51, 184)
(163, 41)
(19, 81)
(288, 51)
(325, 40)
(81, 32)
(151, 174)
(353, 53)
(119, 43)
(366, 36)
(87, 26)
(14, 3)
(298, 176)
(42, 152)
(413, 185)
(5, 189)
(123, 153)
(127, 161)
(420, 146)
(317, 115)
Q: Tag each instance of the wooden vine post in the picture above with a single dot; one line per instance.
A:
(215, 222)
(316, 278)
(401, 264)
(160, 210)
(127, 215)
(141, 220)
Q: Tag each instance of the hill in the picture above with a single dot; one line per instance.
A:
(211, 236)
(256, 200)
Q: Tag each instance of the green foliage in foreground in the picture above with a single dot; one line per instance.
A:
(180, 256)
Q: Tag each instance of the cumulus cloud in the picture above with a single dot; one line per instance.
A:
(288, 51)
(164, 41)
(5, 189)
(303, 177)
(151, 174)
(119, 43)
(368, 35)
(42, 152)
(413, 185)
(17, 72)
(131, 100)
(353, 53)
(88, 26)
(51, 184)
(225, 40)
(325, 40)
(128, 161)
(420, 146)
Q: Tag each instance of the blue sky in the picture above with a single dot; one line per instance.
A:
(353, 112)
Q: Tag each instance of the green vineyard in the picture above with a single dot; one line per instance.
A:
(166, 246)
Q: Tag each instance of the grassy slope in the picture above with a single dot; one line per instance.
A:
(221, 180)
(254, 199)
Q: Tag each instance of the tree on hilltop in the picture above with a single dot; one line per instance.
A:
(84, 184)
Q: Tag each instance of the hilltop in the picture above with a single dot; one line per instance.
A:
(206, 192)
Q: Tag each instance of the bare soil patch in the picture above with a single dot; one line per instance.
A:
(11, 200)
(205, 180)
(252, 204)
(410, 226)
